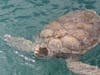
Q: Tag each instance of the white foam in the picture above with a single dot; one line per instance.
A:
(6, 37)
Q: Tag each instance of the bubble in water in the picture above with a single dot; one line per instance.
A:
(16, 52)
(22, 55)
(26, 58)
(32, 60)
(1, 51)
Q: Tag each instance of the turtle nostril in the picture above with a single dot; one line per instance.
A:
(43, 51)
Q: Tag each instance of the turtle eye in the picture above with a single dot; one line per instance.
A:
(43, 51)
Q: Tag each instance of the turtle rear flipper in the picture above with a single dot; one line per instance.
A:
(82, 68)
(19, 42)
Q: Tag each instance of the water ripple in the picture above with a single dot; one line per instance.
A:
(26, 18)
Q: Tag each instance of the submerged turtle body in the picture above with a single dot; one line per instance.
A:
(75, 33)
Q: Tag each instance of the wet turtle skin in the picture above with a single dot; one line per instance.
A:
(72, 34)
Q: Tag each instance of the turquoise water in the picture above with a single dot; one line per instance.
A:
(26, 18)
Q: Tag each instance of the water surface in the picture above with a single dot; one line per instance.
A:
(26, 18)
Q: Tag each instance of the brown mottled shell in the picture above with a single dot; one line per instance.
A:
(75, 32)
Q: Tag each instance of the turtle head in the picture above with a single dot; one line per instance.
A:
(43, 51)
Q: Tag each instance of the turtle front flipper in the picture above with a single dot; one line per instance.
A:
(82, 68)
(19, 42)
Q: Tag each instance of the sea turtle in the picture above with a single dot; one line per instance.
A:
(67, 37)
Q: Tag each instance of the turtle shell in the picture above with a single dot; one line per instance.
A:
(75, 32)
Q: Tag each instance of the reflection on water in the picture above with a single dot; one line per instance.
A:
(26, 18)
